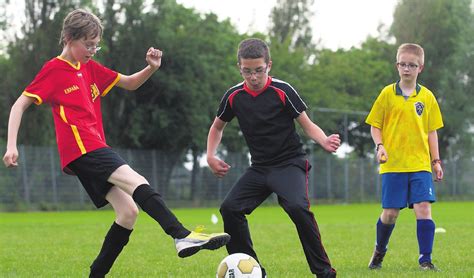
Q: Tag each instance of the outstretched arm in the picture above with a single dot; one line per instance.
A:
(330, 143)
(434, 151)
(11, 155)
(218, 167)
(134, 81)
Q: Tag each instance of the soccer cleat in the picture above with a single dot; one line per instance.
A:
(194, 242)
(376, 260)
(428, 266)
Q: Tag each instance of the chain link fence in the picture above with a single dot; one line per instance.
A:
(39, 184)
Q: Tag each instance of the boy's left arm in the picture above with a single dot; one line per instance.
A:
(134, 81)
(434, 151)
(330, 143)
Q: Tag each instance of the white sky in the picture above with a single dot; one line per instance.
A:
(336, 23)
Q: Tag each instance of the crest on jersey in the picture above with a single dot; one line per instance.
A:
(419, 106)
(94, 92)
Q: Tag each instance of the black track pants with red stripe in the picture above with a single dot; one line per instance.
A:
(289, 181)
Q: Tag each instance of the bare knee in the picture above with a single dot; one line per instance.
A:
(389, 216)
(422, 210)
(127, 215)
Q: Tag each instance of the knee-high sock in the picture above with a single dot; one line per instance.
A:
(151, 202)
(425, 232)
(116, 238)
(384, 231)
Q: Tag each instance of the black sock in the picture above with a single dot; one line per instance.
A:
(116, 238)
(151, 202)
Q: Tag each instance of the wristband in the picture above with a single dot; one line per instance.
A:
(436, 161)
(377, 146)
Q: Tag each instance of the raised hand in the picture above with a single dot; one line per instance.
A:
(153, 57)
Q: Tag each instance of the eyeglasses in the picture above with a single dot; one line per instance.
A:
(258, 72)
(408, 66)
(93, 48)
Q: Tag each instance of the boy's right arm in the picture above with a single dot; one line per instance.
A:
(11, 155)
(376, 133)
(218, 167)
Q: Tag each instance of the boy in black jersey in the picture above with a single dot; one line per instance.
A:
(266, 109)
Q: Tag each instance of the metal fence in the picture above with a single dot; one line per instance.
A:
(39, 184)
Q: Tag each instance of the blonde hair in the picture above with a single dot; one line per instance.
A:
(80, 24)
(412, 48)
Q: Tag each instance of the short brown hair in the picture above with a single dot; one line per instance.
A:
(253, 49)
(80, 24)
(412, 48)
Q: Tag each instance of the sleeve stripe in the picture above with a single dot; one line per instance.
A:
(106, 91)
(38, 98)
(283, 82)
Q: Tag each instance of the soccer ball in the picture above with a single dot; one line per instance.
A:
(239, 265)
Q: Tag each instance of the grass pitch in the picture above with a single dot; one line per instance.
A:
(63, 244)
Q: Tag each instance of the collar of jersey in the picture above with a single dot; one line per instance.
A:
(398, 90)
(78, 67)
(256, 93)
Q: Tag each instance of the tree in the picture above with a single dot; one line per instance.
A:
(26, 54)
(290, 22)
(174, 109)
(445, 30)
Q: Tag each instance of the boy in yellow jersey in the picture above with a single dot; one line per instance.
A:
(404, 120)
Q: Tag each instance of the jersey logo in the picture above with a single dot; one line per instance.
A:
(419, 106)
(94, 92)
(71, 89)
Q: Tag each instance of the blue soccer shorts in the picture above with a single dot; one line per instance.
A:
(400, 190)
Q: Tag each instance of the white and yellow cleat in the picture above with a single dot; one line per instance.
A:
(195, 241)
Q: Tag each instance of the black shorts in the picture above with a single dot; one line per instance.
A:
(94, 169)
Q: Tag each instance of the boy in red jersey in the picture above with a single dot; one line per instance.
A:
(266, 109)
(72, 83)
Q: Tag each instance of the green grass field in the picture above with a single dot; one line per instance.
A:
(63, 244)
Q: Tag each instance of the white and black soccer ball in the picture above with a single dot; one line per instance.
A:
(239, 265)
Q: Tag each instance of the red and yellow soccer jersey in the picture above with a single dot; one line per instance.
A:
(74, 95)
(405, 124)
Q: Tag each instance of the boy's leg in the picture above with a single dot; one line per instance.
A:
(149, 200)
(246, 194)
(115, 240)
(187, 243)
(394, 197)
(290, 184)
(421, 195)
(118, 234)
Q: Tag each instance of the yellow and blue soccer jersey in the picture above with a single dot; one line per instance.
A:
(405, 123)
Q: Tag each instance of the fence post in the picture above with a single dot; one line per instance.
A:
(154, 169)
(362, 179)
(26, 187)
(328, 177)
(53, 176)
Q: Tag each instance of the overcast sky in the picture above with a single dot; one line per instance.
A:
(336, 23)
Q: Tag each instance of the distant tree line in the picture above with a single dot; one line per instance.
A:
(174, 109)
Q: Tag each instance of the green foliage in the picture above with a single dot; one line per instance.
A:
(445, 30)
(290, 22)
(67, 242)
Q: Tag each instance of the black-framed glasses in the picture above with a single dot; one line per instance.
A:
(407, 66)
(91, 48)
(258, 72)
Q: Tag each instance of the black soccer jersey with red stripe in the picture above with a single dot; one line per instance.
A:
(266, 119)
